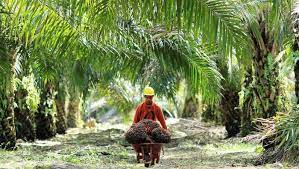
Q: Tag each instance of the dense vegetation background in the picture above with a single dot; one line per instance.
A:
(228, 62)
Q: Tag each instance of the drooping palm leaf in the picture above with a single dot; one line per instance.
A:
(169, 52)
(58, 28)
(215, 21)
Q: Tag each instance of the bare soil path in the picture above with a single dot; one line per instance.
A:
(194, 145)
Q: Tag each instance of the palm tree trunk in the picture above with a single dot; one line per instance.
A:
(209, 114)
(61, 116)
(266, 87)
(60, 100)
(296, 48)
(296, 70)
(229, 103)
(24, 117)
(8, 140)
(190, 107)
(74, 114)
(177, 112)
(247, 107)
(231, 114)
(45, 126)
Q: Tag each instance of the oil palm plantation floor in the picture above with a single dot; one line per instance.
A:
(194, 145)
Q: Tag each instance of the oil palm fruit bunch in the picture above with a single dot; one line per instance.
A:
(149, 125)
(147, 131)
(136, 134)
(160, 135)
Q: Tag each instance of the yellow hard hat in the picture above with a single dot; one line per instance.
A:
(148, 91)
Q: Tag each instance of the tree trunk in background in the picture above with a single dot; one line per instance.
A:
(175, 102)
(231, 115)
(2, 113)
(266, 87)
(229, 103)
(8, 125)
(247, 105)
(45, 126)
(74, 114)
(24, 117)
(190, 107)
(209, 114)
(296, 70)
(61, 116)
(60, 101)
(8, 135)
(296, 67)
(295, 20)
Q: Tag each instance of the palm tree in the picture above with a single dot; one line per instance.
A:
(280, 146)
(83, 28)
(268, 28)
(229, 104)
(156, 54)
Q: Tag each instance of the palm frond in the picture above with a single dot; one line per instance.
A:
(270, 19)
(215, 21)
(144, 51)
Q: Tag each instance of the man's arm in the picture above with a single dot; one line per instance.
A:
(137, 115)
(160, 117)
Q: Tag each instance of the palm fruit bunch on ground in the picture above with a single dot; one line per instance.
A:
(147, 131)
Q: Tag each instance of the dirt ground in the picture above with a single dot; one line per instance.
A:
(194, 145)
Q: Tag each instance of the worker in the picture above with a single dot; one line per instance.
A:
(148, 109)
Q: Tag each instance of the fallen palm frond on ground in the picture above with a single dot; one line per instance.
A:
(265, 124)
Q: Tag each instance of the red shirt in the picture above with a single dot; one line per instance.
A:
(153, 112)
